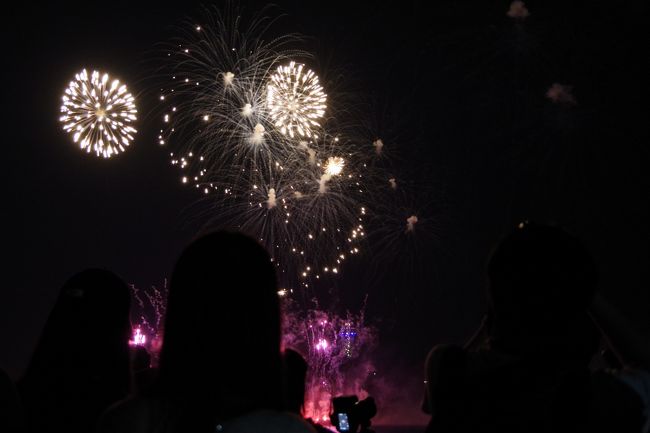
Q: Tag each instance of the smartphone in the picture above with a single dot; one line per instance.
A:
(344, 424)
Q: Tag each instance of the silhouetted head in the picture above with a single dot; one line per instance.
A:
(88, 329)
(82, 357)
(541, 281)
(221, 346)
(296, 373)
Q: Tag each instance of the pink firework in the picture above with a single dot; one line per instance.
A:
(138, 339)
(337, 349)
(147, 318)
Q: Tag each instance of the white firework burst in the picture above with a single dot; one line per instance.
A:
(246, 127)
(295, 100)
(334, 165)
(99, 113)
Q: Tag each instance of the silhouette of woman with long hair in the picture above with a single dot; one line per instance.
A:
(81, 363)
(220, 364)
(527, 369)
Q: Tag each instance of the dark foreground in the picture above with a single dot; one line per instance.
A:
(399, 429)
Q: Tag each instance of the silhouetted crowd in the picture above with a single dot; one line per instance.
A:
(550, 356)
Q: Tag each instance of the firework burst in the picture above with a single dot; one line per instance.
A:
(295, 100)
(246, 123)
(98, 112)
(338, 350)
(149, 307)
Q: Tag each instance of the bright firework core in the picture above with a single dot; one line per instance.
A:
(295, 100)
(334, 166)
(97, 114)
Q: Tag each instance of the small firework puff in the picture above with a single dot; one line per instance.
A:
(379, 145)
(271, 202)
(411, 222)
(98, 113)
(228, 78)
(257, 137)
(393, 183)
(518, 10)
(333, 167)
(561, 94)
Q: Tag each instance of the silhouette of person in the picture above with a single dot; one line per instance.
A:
(526, 369)
(220, 364)
(81, 362)
(10, 410)
(296, 374)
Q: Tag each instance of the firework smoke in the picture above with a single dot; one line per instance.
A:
(411, 222)
(561, 94)
(518, 10)
(379, 146)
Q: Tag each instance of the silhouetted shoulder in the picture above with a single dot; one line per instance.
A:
(619, 400)
(440, 364)
(10, 412)
(135, 415)
(143, 415)
(268, 422)
(81, 363)
(437, 357)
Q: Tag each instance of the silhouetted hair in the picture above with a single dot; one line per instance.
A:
(540, 279)
(539, 265)
(81, 362)
(296, 373)
(11, 418)
(221, 350)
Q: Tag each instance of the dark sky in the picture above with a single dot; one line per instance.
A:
(459, 90)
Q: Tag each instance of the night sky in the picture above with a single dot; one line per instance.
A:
(458, 90)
